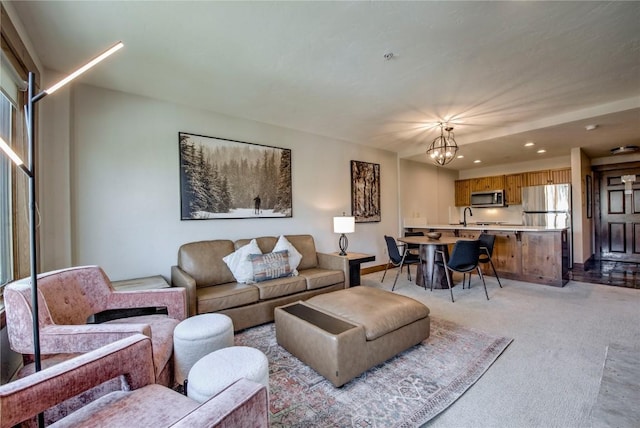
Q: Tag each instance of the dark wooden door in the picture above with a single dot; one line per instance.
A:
(620, 216)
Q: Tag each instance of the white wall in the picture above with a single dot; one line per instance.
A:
(124, 197)
(582, 226)
(426, 192)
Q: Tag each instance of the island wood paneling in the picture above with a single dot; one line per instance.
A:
(507, 255)
(538, 257)
(542, 258)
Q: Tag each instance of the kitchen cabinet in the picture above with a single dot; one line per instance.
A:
(512, 184)
(462, 193)
(547, 176)
(495, 182)
(560, 176)
(513, 189)
(468, 234)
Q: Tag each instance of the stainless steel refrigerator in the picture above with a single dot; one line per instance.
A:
(550, 206)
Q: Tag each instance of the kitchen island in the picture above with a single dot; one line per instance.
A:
(525, 253)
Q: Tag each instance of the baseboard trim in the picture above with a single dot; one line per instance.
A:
(372, 269)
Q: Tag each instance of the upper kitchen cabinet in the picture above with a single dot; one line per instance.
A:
(513, 189)
(512, 184)
(560, 176)
(480, 184)
(463, 193)
(547, 176)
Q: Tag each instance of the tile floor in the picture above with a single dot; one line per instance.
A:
(620, 274)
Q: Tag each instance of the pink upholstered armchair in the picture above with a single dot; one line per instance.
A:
(68, 297)
(244, 403)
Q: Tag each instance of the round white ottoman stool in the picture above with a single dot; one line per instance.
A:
(216, 371)
(196, 337)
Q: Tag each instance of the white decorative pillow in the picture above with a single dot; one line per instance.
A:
(239, 262)
(294, 255)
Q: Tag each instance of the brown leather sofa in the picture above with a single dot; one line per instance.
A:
(211, 286)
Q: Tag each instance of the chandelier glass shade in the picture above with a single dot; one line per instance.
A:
(444, 148)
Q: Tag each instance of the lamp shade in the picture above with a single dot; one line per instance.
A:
(344, 224)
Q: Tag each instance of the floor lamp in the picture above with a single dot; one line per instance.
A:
(30, 171)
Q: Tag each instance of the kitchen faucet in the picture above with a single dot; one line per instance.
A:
(465, 215)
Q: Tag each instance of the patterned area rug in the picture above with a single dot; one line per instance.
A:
(406, 391)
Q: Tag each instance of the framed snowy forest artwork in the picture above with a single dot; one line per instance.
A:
(222, 179)
(365, 191)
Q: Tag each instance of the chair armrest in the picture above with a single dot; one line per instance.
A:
(174, 299)
(180, 278)
(70, 339)
(243, 403)
(24, 398)
(334, 262)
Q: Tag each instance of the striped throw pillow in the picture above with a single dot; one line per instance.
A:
(270, 266)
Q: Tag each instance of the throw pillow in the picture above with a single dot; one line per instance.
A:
(239, 262)
(270, 266)
(294, 255)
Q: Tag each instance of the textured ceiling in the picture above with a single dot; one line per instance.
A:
(503, 72)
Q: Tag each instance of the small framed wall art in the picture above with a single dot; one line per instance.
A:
(365, 191)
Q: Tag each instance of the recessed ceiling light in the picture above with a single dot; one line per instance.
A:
(477, 161)
(542, 151)
(460, 156)
(591, 127)
(529, 144)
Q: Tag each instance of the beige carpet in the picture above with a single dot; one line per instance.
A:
(550, 375)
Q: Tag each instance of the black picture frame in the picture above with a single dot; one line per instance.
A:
(589, 195)
(228, 179)
(365, 192)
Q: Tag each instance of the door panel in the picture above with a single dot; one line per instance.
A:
(617, 238)
(616, 202)
(620, 217)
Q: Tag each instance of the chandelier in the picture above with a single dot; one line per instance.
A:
(444, 148)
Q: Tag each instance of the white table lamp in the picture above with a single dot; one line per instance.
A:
(342, 225)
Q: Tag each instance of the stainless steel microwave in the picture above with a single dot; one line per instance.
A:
(487, 199)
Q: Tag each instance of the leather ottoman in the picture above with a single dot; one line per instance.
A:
(344, 333)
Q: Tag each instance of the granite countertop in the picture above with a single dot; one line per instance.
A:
(496, 227)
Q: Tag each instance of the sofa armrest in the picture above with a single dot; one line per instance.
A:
(24, 398)
(71, 339)
(335, 262)
(174, 299)
(243, 403)
(180, 278)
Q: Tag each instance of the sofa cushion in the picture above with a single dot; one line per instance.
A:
(203, 261)
(151, 406)
(240, 263)
(270, 266)
(281, 287)
(307, 247)
(161, 336)
(318, 277)
(225, 296)
(294, 255)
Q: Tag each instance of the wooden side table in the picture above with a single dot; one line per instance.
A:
(355, 260)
